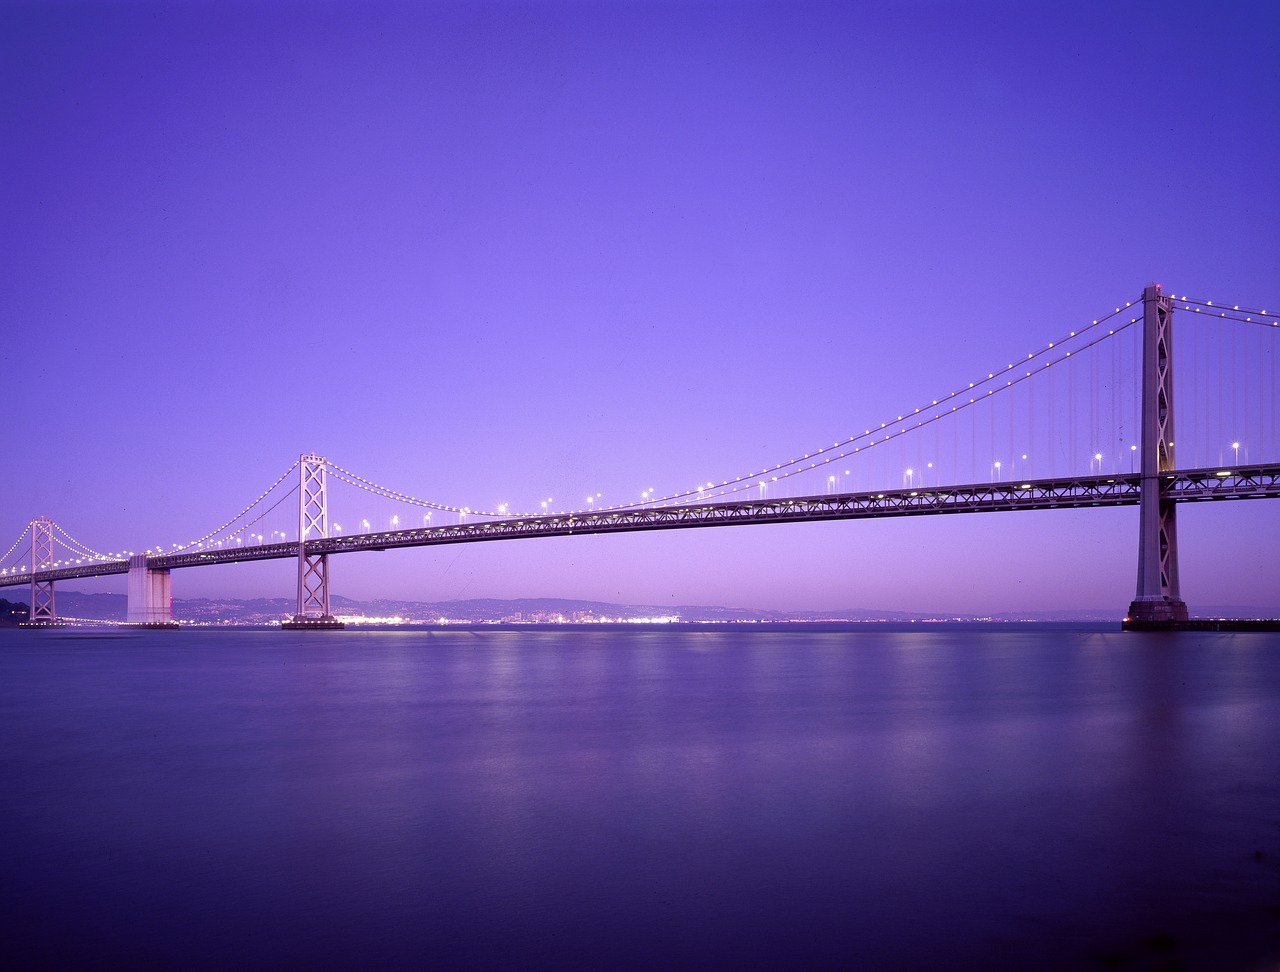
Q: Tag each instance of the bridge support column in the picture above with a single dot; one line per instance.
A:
(150, 602)
(313, 569)
(1157, 598)
(42, 611)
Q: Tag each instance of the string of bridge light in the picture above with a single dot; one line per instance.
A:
(788, 468)
(359, 482)
(15, 570)
(1235, 430)
(1227, 312)
(68, 542)
(744, 483)
(18, 569)
(245, 526)
(261, 496)
(75, 546)
(753, 480)
(741, 485)
(784, 470)
(26, 532)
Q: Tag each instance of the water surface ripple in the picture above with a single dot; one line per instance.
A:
(914, 797)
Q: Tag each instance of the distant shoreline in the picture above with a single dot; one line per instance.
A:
(110, 608)
(799, 626)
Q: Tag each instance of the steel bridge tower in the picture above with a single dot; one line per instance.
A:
(313, 569)
(1157, 597)
(42, 612)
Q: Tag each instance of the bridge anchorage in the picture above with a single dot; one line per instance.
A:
(313, 568)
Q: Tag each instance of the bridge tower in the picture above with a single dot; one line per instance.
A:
(1157, 597)
(313, 569)
(42, 612)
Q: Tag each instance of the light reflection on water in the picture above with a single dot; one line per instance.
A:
(1003, 798)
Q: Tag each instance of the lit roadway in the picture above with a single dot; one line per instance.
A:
(1235, 483)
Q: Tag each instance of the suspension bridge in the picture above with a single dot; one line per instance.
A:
(1086, 420)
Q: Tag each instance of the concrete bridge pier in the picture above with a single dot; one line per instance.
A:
(150, 596)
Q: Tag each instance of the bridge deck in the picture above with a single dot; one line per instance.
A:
(1046, 494)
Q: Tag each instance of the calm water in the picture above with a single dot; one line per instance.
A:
(869, 798)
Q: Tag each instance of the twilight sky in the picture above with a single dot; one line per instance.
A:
(500, 252)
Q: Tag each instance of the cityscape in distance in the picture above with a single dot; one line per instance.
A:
(77, 606)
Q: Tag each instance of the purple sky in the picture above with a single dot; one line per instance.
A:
(496, 252)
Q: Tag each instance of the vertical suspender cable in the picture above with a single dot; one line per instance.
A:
(1013, 413)
(1270, 405)
(1095, 403)
(1117, 435)
(1244, 392)
(1031, 422)
(1221, 395)
(973, 444)
(956, 475)
(1053, 459)
(1235, 417)
(1185, 416)
(1071, 418)
(991, 403)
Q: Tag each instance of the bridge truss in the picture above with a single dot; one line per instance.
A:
(1194, 485)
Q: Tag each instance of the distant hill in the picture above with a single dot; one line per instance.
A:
(12, 613)
(112, 607)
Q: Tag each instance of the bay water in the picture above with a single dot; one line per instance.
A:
(884, 797)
